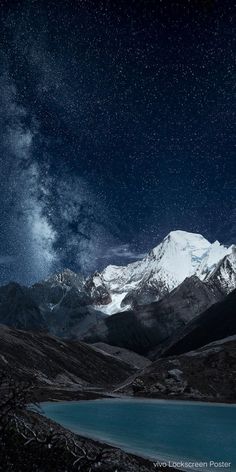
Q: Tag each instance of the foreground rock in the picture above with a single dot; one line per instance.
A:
(98, 457)
(52, 364)
(207, 374)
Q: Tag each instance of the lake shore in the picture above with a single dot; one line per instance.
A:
(119, 423)
(44, 394)
(114, 457)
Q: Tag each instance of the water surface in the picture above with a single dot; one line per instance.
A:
(160, 429)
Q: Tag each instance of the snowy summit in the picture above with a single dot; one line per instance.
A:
(179, 255)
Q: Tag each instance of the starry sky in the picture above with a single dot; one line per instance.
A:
(116, 127)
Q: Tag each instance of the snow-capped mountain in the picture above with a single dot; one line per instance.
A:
(179, 255)
(118, 288)
(224, 274)
(196, 272)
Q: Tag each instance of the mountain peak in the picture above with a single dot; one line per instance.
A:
(181, 250)
(184, 237)
(66, 277)
(179, 255)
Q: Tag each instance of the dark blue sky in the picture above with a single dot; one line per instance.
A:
(116, 127)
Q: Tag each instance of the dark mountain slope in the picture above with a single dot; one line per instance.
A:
(49, 361)
(145, 327)
(70, 317)
(130, 357)
(19, 309)
(218, 322)
(208, 374)
(54, 306)
(65, 303)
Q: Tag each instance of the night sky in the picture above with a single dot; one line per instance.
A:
(116, 127)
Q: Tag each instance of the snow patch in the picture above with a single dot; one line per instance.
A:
(114, 306)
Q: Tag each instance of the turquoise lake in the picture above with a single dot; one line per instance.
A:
(158, 429)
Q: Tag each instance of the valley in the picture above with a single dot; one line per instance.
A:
(178, 300)
(172, 338)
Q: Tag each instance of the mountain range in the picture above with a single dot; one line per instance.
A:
(148, 299)
(124, 328)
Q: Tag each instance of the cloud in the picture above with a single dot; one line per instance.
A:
(123, 251)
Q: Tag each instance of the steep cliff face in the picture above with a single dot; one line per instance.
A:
(224, 275)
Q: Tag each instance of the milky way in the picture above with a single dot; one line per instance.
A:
(51, 218)
(116, 127)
